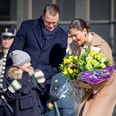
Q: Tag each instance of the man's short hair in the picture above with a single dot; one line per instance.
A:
(52, 8)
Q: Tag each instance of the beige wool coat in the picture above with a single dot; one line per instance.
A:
(103, 101)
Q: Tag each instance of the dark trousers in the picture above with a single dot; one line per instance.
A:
(4, 111)
(45, 98)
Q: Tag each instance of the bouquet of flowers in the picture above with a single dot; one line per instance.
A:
(70, 67)
(92, 67)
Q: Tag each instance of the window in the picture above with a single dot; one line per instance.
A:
(7, 14)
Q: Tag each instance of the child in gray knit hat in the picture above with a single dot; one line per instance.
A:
(25, 86)
(19, 57)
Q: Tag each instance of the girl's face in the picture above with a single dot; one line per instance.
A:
(79, 36)
(25, 67)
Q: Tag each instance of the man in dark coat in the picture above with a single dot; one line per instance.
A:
(45, 41)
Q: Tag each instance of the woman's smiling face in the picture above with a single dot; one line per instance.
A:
(78, 36)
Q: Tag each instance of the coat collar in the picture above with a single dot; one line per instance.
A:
(37, 30)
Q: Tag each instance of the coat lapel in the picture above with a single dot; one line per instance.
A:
(48, 42)
(37, 32)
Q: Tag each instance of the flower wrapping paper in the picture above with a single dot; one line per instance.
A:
(92, 66)
(97, 76)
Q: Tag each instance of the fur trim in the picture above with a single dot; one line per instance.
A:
(15, 73)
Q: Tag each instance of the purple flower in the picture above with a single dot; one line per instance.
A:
(97, 76)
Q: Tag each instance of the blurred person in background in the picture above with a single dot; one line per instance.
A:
(7, 38)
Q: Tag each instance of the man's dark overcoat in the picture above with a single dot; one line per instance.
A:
(46, 57)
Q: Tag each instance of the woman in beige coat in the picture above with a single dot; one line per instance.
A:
(100, 100)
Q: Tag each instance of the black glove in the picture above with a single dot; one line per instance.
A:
(39, 86)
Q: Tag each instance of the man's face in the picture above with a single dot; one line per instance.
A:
(6, 43)
(50, 22)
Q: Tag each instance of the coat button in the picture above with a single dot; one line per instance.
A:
(50, 106)
(55, 88)
(56, 80)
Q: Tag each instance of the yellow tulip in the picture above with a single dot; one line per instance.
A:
(102, 65)
(89, 61)
(76, 70)
(65, 72)
(76, 57)
(70, 70)
(66, 61)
